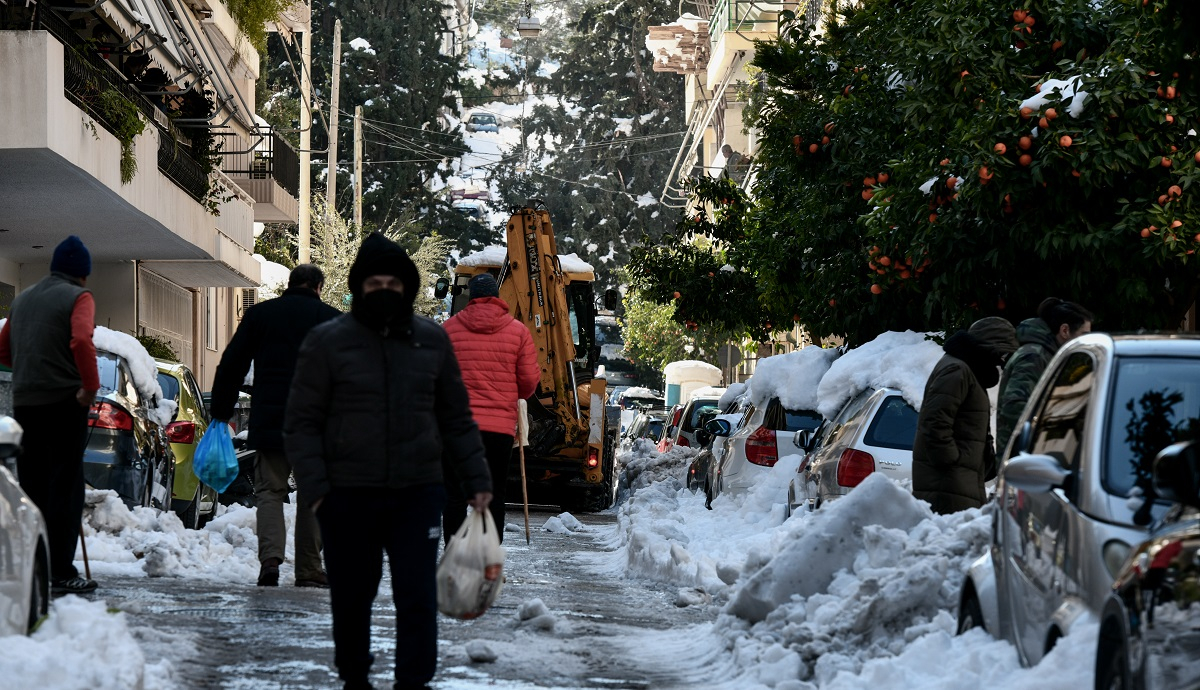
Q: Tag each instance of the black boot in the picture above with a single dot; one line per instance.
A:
(268, 574)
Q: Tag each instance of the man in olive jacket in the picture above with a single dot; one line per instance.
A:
(953, 453)
(376, 398)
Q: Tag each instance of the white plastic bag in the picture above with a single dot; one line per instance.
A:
(471, 573)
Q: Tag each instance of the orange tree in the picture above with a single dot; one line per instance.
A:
(927, 162)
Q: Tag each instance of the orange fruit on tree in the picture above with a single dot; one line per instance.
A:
(1019, 15)
(985, 174)
(677, 295)
(1170, 119)
(868, 181)
(1175, 190)
(829, 128)
(905, 274)
(1064, 141)
(1056, 45)
(1176, 224)
(1025, 159)
(1000, 148)
(945, 161)
(1020, 45)
(833, 302)
(1170, 92)
(1166, 162)
(867, 194)
(812, 148)
(1162, 199)
(1145, 232)
(1024, 143)
(876, 289)
(885, 261)
(932, 217)
(1043, 123)
(883, 178)
(1198, 156)
(1074, 173)
(952, 182)
(1051, 113)
(1029, 20)
(825, 140)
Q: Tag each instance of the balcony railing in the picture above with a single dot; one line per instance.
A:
(745, 16)
(269, 157)
(89, 79)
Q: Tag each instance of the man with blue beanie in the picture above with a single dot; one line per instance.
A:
(47, 340)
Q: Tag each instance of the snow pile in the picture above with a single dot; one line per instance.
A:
(81, 645)
(893, 359)
(564, 523)
(142, 368)
(646, 467)
(640, 392)
(571, 263)
(146, 543)
(273, 277)
(732, 392)
(793, 378)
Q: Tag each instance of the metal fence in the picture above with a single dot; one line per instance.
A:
(261, 158)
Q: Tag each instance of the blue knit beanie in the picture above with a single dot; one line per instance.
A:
(71, 258)
(483, 285)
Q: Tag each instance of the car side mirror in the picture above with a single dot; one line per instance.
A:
(1177, 474)
(441, 288)
(10, 442)
(611, 298)
(1035, 473)
(803, 439)
(718, 427)
(703, 436)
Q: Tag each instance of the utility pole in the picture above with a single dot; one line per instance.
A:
(331, 166)
(305, 220)
(358, 166)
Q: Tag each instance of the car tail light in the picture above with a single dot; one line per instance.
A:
(593, 460)
(760, 447)
(682, 441)
(853, 467)
(106, 415)
(181, 432)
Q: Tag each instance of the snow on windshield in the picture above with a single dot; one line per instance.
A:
(893, 359)
(731, 393)
(141, 366)
(792, 377)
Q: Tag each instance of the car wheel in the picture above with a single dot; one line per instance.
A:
(39, 598)
(1112, 659)
(190, 513)
(970, 613)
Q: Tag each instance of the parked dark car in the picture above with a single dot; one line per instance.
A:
(1150, 625)
(126, 450)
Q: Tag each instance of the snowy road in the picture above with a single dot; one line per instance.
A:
(241, 636)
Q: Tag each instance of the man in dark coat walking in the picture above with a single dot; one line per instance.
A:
(269, 337)
(376, 401)
(47, 341)
(953, 452)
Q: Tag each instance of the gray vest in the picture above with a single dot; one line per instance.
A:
(44, 369)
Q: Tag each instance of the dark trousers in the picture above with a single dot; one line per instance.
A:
(499, 449)
(357, 527)
(51, 472)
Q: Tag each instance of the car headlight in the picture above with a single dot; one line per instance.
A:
(1115, 553)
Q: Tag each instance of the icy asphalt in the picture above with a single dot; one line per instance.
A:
(239, 636)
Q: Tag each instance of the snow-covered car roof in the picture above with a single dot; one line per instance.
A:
(791, 377)
(142, 368)
(900, 360)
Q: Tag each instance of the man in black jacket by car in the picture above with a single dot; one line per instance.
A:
(376, 399)
(269, 336)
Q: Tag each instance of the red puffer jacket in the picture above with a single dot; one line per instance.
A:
(498, 362)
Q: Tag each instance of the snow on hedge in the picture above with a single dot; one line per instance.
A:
(893, 359)
(793, 377)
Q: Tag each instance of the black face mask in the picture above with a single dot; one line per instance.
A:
(381, 308)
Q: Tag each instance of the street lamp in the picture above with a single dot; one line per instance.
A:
(528, 26)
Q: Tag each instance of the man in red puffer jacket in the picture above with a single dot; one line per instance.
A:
(499, 366)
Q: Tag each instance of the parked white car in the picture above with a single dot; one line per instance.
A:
(24, 550)
(764, 434)
(873, 432)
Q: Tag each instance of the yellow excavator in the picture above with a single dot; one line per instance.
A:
(570, 460)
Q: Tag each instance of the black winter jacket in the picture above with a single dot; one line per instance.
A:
(953, 452)
(269, 336)
(374, 410)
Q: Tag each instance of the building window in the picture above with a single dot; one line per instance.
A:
(210, 318)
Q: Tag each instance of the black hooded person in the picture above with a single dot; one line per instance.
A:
(376, 399)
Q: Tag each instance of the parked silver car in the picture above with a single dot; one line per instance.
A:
(24, 550)
(873, 432)
(1103, 409)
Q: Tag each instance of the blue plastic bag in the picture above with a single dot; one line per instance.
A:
(215, 462)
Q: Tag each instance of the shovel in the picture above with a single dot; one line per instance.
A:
(522, 441)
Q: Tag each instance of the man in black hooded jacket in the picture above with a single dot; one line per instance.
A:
(376, 399)
(953, 452)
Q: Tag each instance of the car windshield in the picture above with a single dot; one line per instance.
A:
(700, 409)
(170, 386)
(894, 426)
(655, 428)
(1156, 402)
(109, 368)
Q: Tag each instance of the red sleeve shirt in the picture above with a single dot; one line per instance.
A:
(5, 345)
(83, 322)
